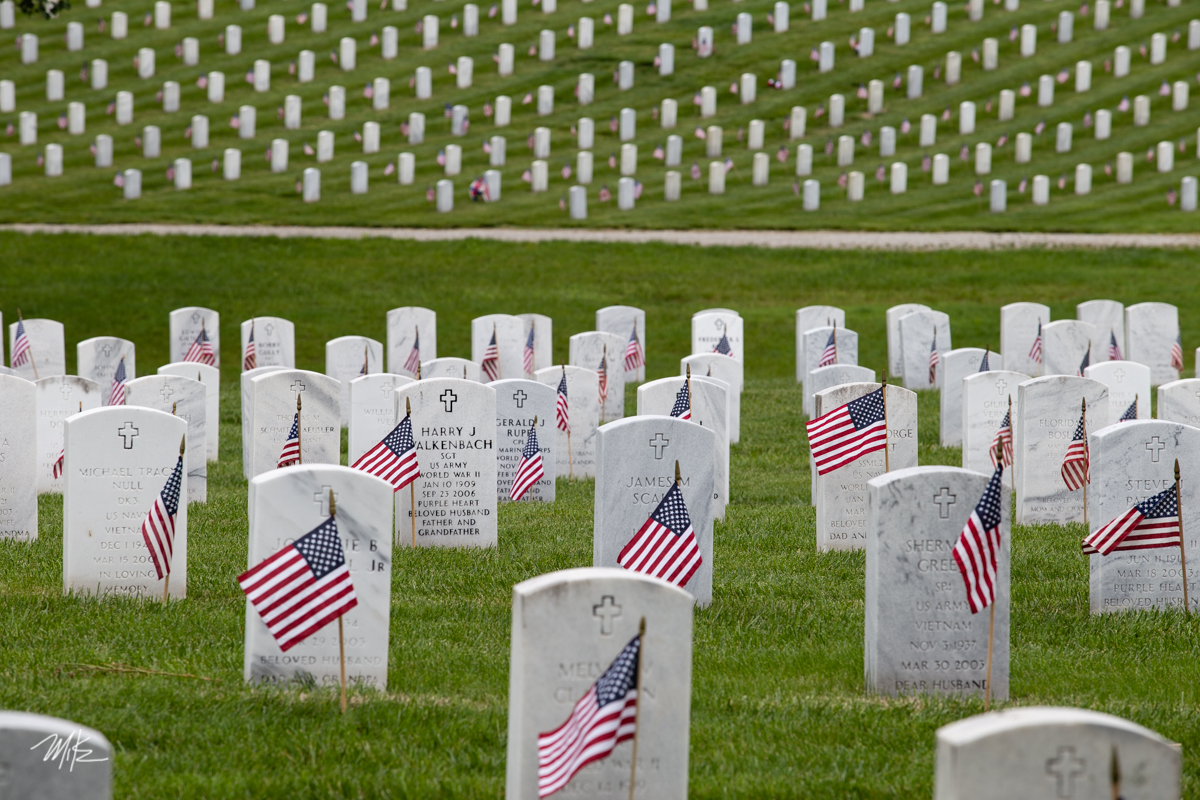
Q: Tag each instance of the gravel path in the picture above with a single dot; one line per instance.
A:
(816, 240)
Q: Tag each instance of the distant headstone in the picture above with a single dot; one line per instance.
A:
(117, 461)
(185, 327)
(48, 353)
(811, 317)
(452, 367)
(350, 357)
(583, 411)
(588, 350)
(248, 412)
(1018, 331)
(285, 505)
(46, 758)
(726, 369)
(542, 328)
(97, 359)
(567, 628)
(1065, 345)
(274, 409)
(454, 428)
(274, 341)
(58, 397)
(635, 469)
(955, 365)
(895, 355)
(18, 459)
(185, 398)
(1047, 412)
(709, 409)
(815, 343)
(372, 411)
(715, 329)
(1179, 401)
(1108, 316)
(407, 327)
(841, 495)
(921, 332)
(518, 401)
(823, 378)
(211, 378)
(1126, 381)
(627, 322)
(985, 401)
(510, 341)
(1151, 330)
(1044, 753)
(921, 637)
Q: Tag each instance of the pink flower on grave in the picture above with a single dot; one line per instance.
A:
(612, 161)
(608, 19)
(301, 18)
(119, 180)
(978, 190)
(700, 133)
(566, 172)
(492, 11)
(881, 173)
(62, 122)
(1171, 197)
(527, 99)
(202, 81)
(1165, 89)
(1063, 76)
(430, 194)
(308, 150)
(695, 171)
(389, 169)
(605, 195)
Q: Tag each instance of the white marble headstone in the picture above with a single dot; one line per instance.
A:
(956, 365)
(920, 634)
(190, 401)
(454, 428)
(372, 411)
(709, 326)
(58, 397)
(710, 409)
(730, 370)
(18, 459)
(587, 350)
(185, 326)
(1150, 332)
(1047, 411)
(1126, 380)
(1131, 462)
(1179, 401)
(518, 402)
(635, 468)
(811, 317)
(623, 321)
(248, 412)
(543, 342)
(567, 628)
(824, 378)
(510, 342)
(1018, 330)
(285, 505)
(349, 357)
(841, 495)
(211, 378)
(1065, 345)
(452, 367)
(918, 331)
(404, 326)
(48, 352)
(985, 401)
(47, 758)
(1108, 316)
(815, 341)
(117, 461)
(274, 408)
(274, 341)
(583, 410)
(97, 359)
(895, 354)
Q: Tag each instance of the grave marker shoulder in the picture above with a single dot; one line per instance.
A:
(1179, 401)
(372, 411)
(1126, 381)
(1065, 345)
(510, 342)
(623, 321)
(1018, 330)
(708, 328)
(811, 317)
(451, 367)
(404, 326)
(518, 402)
(543, 342)
(46, 347)
(918, 332)
(1108, 316)
(185, 325)
(986, 397)
(97, 359)
(185, 398)
(18, 459)
(895, 355)
(274, 341)
(248, 412)
(586, 350)
(583, 398)
(726, 369)
(956, 365)
(815, 342)
(345, 358)
(1150, 332)
(274, 409)
(58, 397)
(211, 378)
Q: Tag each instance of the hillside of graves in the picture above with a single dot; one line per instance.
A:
(1068, 115)
(779, 706)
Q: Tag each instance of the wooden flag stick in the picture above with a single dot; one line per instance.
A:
(1087, 462)
(987, 684)
(1187, 609)
(182, 448)
(637, 710)
(1115, 775)
(886, 454)
(299, 426)
(32, 360)
(1041, 347)
(418, 370)
(341, 631)
(412, 486)
(835, 357)
(366, 358)
(689, 387)
(499, 371)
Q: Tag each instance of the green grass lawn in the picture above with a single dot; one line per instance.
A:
(87, 194)
(778, 706)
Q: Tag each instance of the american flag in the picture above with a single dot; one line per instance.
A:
(528, 353)
(683, 402)
(491, 359)
(978, 546)
(829, 354)
(395, 458)
(602, 719)
(302, 587)
(635, 357)
(848, 432)
(21, 351)
(562, 409)
(250, 360)
(116, 393)
(934, 359)
(414, 355)
(1129, 413)
(1035, 352)
(201, 350)
(603, 373)
(1076, 471)
(665, 546)
(1114, 349)
(158, 529)
(1152, 523)
(530, 470)
(57, 470)
(1177, 352)
(291, 448)
(1087, 361)
(1004, 440)
(983, 365)
(723, 346)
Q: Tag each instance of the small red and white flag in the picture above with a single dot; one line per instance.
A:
(848, 432)
(829, 354)
(665, 546)
(250, 359)
(1076, 469)
(158, 529)
(21, 350)
(413, 363)
(1150, 524)
(1114, 349)
(603, 373)
(530, 470)
(395, 458)
(635, 357)
(1035, 352)
(291, 448)
(527, 353)
(562, 410)
(683, 402)
(1003, 441)
(979, 545)
(57, 469)
(934, 360)
(491, 359)
(1177, 352)
(201, 350)
(116, 392)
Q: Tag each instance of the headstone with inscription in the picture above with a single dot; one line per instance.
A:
(815, 343)
(1018, 331)
(285, 505)
(518, 402)
(1151, 330)
(716, 328)
(510, 343)
(372, 411)
(542, 328)
(1130, 463)
(730, 370)
(47, 351)
(1046, 753)
(248, 412)
(1047, 413)
(409, 327)
(211, 378)
(841, 495)
(823, 378)
(567, 628)
(185, 398)
(576, 454)
(635, 468)
(454, 429)
(186, 324)
(627, 322)
(811, 317)
(895, 354)
(1179, 401)
(274, 341)
(588, 350)
(117, 460)
(956, 365)
(97, 359)
(350, 357)
(273, 410)
(1065, 345)
(1108, 317)
(452, 367)
(18, 459)
(47, 758)
(985, 401)
(920, 635)
(921, 332)
(1126, 381)
(709, 409)
(58, 397)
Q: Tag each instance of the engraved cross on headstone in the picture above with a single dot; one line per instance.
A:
(128, 432)
(449, 398)
(106, 349)
(606, 610)
(385, 389)
(1065, 767)
(166, 391)
(944, 500)
(298, 386)
(1155, 446)
(1001, 385)
(520, 397)
(65, 391)
(659, 443)
(321, 498)
(195, 317)
(1119, 375)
